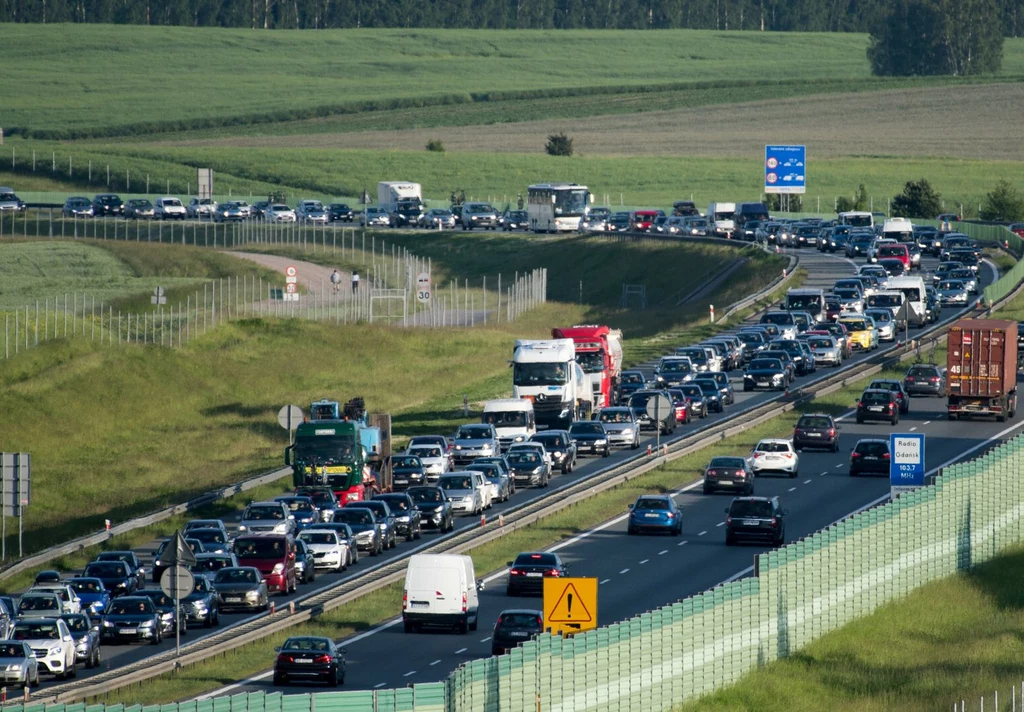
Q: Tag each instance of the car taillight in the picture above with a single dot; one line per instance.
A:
(775, 521)
(859, 404)
(741, 473)
(540, 622)
(891, 405)
(757, 455)
(554, 572)
(728, 520)
(712, 472)
(282, 658)
(671, 515)
(464, 603)
(910, 378)
(405, 600)
(497, 624)
(789, 455)
(885, 456)
(831, 432)
(514, 572)
(322, 659)
(935, 379)
(854, 455)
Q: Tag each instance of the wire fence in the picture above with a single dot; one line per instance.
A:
(1012, 702)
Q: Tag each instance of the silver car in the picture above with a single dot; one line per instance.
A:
(435, 461)
(9, 202)
(826, 350)
(266, 518)
(952, 293)
(473, 441)
(17, 664)
(967, 276)
(458, 487)
(86, 633)
(621, 425)
(374, 217)
(884, 322)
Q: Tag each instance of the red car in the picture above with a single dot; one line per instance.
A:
(1017, 229)
(898, 251)
(681, 404)
(641, 220)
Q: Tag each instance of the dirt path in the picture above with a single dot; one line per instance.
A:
(311, 276)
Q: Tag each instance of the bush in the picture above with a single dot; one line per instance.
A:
(559, 145)
(435, 145)
(777, 203)
(1003, 204)
(918, 200)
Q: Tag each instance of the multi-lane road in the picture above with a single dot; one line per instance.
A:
(635, 574)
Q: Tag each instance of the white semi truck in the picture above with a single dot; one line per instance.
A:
(546, 373)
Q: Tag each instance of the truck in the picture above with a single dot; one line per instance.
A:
(402, 201)
(981, 368)
(599, 353)
(546, 372)
(344, 449)
(512, 418)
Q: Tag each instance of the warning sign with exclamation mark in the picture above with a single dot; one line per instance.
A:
(570, 604)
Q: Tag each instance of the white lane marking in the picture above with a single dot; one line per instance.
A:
(379, 685)
(681, 543)
(913, 429)
(840, 466)
(461, 650)
(703, 533)
(624, 571)
(411, 672)
(434, 663)
(720, 524)
(807, 482)
(823, 474)
(792, 489)
(927, 422)
(663, 552)
(484, 640)
(606, 581)
(645, 561)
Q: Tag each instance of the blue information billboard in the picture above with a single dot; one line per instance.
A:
(785, 169)
(906, 462)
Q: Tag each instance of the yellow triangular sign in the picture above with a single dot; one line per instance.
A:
(569, 608)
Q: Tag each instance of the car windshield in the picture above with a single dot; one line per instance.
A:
(814, 421)
(455, 483)
(315, 537)
(632, 378)
(550, 442)
(12, 651)
(159, 598)
(213, 563)
(523, 458)
(539, 374)
(925, 371)
(821, 344)
(615, 416)
(535, 559)
(766, 364)
(531, 621)
(693, 391)
(306, 644)
(751, 508)
(237, 576)
(39, 603)
(651, 503)
(470, 432)
(880, 316)
(207, 536)
(778, 318)
(772, 447)
(951, 285)
(507, 418)
(36, 631)
(675, 367)
(260, 548)
(397, 504)
(885, 385)
(85, 586)
(123, 607)
(586, 428)
(201, 585)
(294, 505)
(354, 516)
(425, 495)
(427, 452)
(262, 513)
(727, 462)
(856, 325)
(109, 569)
(872, 448)
(876, 398)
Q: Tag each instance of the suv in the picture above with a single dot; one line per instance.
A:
(816, 430)
(757, 519)
(878, 404)
(51, 642)
(870, 456)
(130, 558)
(925, 379)
(902, 399)
(479, 215)
(200, 208)
(311, 211)
(561, 446)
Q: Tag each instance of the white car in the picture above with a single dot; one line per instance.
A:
(311, 211)
(200, 208)
(436, 461)
(884, 322)
(51, 642)
(168, 209)
(775, 455)
(69, 600)
(278, 212)
(328, 551)
(534, 447)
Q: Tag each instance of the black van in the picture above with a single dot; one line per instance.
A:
(746, 212)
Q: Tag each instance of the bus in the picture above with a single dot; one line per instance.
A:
(557, 207)
(857, 218)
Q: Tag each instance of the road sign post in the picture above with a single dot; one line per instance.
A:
(785, 169)
(657, 408)
(906, 462)
(570, 605)
(16, 479)
(423, 288)
(173, 578)
(159, 296)
(289, 417)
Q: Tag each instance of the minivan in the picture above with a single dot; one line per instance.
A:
(273, 555)
(440, 590)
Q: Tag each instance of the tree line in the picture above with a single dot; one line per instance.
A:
(756, 15)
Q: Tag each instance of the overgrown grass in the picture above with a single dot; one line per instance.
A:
(953, 639)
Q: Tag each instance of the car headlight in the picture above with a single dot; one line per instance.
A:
(556, 454)
(278, 569)
(242, 528)
(600, 442)
(199, 607)
(382, 526)
(564, 413)
(107, 624)
(252, 595)
(627, 432)
(167, 616)
(147, 624)
(458, 447)
(519, 438)
(53, 651)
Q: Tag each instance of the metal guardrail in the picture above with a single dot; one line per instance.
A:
(528, 513)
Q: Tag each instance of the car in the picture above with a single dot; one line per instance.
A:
(18, 664)
(673, 371)
(9, 202)
(130, 558)
(870, 456)
(968, 258)
(77, 207)
(851, 301)
(621, 426)
(159, 560)
(965, 275)
(465, 492)
(200, 208)
(305, 565)
(132, 619)
(43, 604)
(514, 627)
(139, 209)
(47, 576)
(340, 212)
(69, 600)
(698, 399)
(86, 634)
(230, 212)
(301, 510)
(953, 293)
(680, 404)
(213, 540)
(943, 269)
(435, 509)
(279, 213)
(328, 550)
(712, 394)
(638, 404)
(259, 209)
(241, 587)
(210, 564)
(703, 358)
(480, 215)
(407, 471)
(51, 643)
(202, 605)
(902, 399)
(309, 658)
(473, 441)
(838, 332)
(782, 319)
(878, 404)
(168, 208)
(437, 219)
(501, 463)
(516, 220)
(346, 537)
(527, 572)
(787, 362)
(107, 204)
(765, 372)
(434, 459)
(754, 342)
(802, 364)
(115, 576)
(826, 350)
(408, 520)
(310, 212)
(217, 524)
(775, 455)
(618, 222)
(385, 520)
(561, 447)
(862, 332)
(629, 383)
(755, 519)
(267, 518)
(324, 499)
(363, 524)
(925, 379)
(816, 430)
(374, 217)
(725, 388)
(590, 438)
(92, 594)
(170, 618)
(655, 513)
(529, 468)
(732, 474)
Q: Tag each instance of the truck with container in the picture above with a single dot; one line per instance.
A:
(599, 354)
(402, 201)
(513, 419)
(342, 448)
(981, 369)
(546, 372)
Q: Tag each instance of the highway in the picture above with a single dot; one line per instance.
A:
(666, 567)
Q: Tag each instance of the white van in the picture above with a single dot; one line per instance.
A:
(722, 219)
(914, 291)
(512, 418)
(440, 590)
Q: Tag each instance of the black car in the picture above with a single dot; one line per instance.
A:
(386, 521)
(363, 522)
(202, 605)
(724, 384)
(560, 446)
(755, 519)
(115, 575)
(698, 401)
(629, 383)
(502, 463)
(107, 204)
(407, 471)
(590, 438)
(131, 618)
(310, 659)
(765, 373)
(408, 519)
(787, 361)
(878, 404)
(160, 565)
(731, 474)
(210, 564)
(527, 573)
(128, 557)
(514, 627)
(169, 616)
(712, 394)
(435, 509)
(870, 456)
(516, 220)
(902, 399)
(48, 576)
(792, 347)
(925, 379)
(339, 212)
(324, 500)
(817, 430)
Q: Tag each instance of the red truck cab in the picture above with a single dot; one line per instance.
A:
(599, 354)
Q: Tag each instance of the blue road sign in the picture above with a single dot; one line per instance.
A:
(906, 462)
(785, 169)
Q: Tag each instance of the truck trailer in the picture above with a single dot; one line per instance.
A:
(981, 369)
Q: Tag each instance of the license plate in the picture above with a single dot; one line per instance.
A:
(303, 661)
(233, 599)
(725, 483)
(651, 515)
(420, 604)
(815, 435)
(871, 457)
(127, 631)
(762, 383)
(518, 634)
(534, 574)
(875, 408)
(751, 523)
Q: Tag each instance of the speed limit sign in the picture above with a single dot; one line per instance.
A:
(423, 287)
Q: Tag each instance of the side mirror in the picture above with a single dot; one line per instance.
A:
(508, 563)
(480, 585)
(726, 510)
(630, 506)
(277, 649)
(288, 455)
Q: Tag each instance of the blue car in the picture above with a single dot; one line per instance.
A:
(93, 594)
(655, 513)
(302, 510)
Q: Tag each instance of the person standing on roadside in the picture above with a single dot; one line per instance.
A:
(355, 281)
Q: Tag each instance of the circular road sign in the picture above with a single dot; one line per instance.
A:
(771, 178)
(659, 407)
(291, 288)
(291, 271)
(290, 416)
(185, 582)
